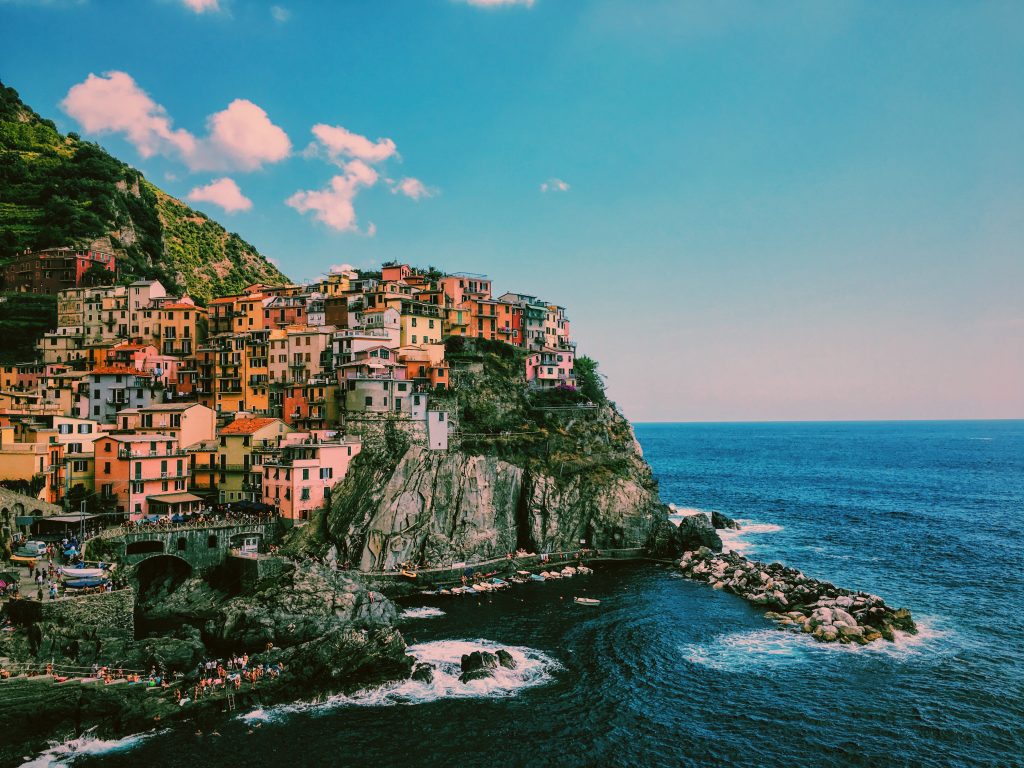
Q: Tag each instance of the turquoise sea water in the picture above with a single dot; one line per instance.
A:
(667, 672)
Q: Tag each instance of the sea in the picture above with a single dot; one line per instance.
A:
(667, 672)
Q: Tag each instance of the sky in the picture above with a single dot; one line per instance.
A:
(752, 211)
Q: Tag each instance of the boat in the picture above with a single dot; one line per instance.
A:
(409, 574)
(498, 584)
(553, 574)
(583, 570)
(568, 572)
(537, 577)
(83, 583)
(444, 591)
(586, 601)
(468, 591)
(523, 573)
(82, 573)
(23, 559)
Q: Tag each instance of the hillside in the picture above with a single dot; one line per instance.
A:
(58, 190)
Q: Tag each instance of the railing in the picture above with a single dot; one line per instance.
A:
(162, 526)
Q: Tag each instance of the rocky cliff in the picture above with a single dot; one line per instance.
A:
(540, 471)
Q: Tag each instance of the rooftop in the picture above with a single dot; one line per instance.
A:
(246, 426)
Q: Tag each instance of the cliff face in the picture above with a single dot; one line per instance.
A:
(527, 473)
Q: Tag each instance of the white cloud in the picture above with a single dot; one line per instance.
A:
(342, 144)
(223, 192)
(333, 205)
(411, 187)
(241, 137)
(497, 3)
(554, 185)
(280, 13)
(202, 6)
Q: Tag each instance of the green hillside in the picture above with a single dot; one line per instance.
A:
(59, 190)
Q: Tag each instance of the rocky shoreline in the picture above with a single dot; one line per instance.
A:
(797, 602)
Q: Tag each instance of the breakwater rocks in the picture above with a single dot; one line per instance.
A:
(797, 602)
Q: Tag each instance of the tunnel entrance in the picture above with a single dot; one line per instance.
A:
(158, 577)
(143, 547)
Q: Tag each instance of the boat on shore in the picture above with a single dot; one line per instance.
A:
(70, 572)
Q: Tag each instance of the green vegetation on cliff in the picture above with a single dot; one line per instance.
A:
(24, 317)
(59, 190)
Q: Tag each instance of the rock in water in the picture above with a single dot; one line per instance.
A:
(478, 665)
(423, 673)
(696, 531)
(505, 659)
(720, 521)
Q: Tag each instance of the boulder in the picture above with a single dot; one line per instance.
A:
(720, 521)
(506, 660)
(423, 673)
(478, 665)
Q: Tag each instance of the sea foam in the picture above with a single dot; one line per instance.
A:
(86, 745)
(422, 612)
(776, 648)
(736, 540)
(533, 668)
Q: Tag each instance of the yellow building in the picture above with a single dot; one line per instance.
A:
(420, 324)
(183, 327)
(240, 467)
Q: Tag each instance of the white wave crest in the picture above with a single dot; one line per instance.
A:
(86, 745)
(533, 668)
(740, 651)
(422, 612)
(736, 541)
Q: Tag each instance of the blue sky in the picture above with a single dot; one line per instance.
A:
(807, 210)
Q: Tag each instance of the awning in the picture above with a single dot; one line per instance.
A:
(173, 498)
(66, 518)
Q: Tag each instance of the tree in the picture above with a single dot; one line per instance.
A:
(97, 275)
(590, 379)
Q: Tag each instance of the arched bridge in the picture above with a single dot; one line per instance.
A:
(201, 545)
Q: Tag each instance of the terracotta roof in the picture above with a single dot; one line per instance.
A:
(181, 306)
(225, 300)
(119, 369)
(246, 426)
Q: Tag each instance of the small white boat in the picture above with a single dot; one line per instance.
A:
(586, 601)
(552, 574)
(568, 572)
(583, 570)
(82, 573)
(523, 573)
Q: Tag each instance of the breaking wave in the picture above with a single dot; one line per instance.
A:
(774, 648)
(422, 612)
(86, 745)
(533, 668)
(736, 540)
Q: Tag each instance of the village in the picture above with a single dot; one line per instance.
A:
(143, 407)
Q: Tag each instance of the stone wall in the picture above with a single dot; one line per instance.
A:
(111, 610)
(250, 571)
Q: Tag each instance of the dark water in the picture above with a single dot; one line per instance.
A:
(668, 672)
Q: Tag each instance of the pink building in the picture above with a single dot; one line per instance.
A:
(300, 479)
(143, 474)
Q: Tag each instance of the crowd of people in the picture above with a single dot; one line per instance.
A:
(219, 675)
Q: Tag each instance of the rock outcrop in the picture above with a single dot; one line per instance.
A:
(436, 508)
(798, 602)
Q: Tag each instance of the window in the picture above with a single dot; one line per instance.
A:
(182, 544)
(305, 495)
(85, 429)
(326, 473)
(211, 542)
(106, 466)
(369, 400)
(305, 474)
